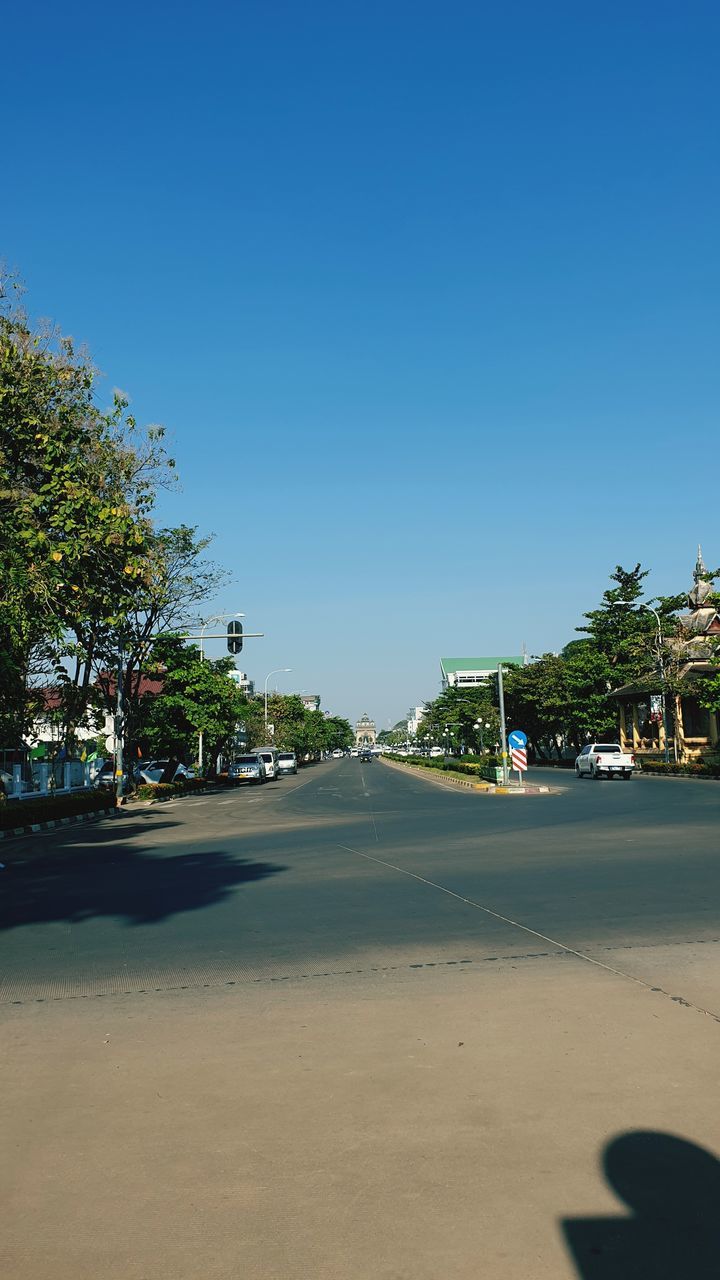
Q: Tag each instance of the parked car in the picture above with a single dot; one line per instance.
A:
(163, 771)
(269, 757)
(105, 778)
(287, 762)
(248, 768)
(604, 760)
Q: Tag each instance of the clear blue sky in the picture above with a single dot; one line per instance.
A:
(426, 296)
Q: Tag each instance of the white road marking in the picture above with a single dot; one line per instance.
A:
(496, 915)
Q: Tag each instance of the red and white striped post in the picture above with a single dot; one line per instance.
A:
(518, 756)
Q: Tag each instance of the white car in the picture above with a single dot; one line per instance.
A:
(287, 762)
(604, 760)
(354, 752)
(338, 754)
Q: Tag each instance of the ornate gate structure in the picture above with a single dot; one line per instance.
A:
(365, 735)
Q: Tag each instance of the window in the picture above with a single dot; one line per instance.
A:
(696, 719)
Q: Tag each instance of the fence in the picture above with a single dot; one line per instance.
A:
(23, 778)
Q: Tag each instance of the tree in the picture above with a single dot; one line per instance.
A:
(196, 697)
(454, 714)
(176, 581)
(76, 491)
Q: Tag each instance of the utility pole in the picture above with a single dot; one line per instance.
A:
(276, 672)
(503, 734)
(119, 726)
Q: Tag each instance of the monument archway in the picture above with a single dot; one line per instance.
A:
(365, 733)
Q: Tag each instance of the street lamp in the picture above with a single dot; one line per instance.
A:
(217, 617)
(480, 724)
(661, 665)
(269, 674)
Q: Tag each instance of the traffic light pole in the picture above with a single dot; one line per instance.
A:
(119, 728)
(234, 639)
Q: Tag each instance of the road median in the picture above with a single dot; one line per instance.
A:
(446, 777)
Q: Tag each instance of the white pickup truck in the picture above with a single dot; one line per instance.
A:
(604, 760)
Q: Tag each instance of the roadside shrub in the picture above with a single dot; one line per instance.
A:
(455, 765)
(694, 769)
(23, 813)
(166, 790)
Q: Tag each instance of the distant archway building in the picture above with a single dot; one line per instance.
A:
(365, 734)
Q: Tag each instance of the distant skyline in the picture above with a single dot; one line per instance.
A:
(427, 299)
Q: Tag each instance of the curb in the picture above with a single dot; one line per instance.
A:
(445, 779)
(143, 804)
(436, 775)
(52, 823)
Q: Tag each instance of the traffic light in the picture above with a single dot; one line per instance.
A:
(234, 637)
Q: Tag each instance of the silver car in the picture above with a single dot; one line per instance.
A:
(247, 769)
(287, 762)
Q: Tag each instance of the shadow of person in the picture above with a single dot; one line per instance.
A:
(672, 1188)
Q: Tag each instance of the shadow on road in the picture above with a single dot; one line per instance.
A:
(75, 884)
(672, 1188)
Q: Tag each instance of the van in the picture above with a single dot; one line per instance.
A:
(269, 757)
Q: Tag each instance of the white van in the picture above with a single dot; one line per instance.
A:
(269, 757)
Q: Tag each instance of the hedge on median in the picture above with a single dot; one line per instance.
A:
(25, 813)
(476, 767)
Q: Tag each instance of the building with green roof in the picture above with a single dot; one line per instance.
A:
(464, 673)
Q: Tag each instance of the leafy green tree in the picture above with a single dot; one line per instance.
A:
(176, 581)
(76, 491)
(197, 696)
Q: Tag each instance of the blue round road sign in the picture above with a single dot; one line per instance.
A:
(517, 738)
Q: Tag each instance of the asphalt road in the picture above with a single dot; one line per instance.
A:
(318, 872)
(358, 1024)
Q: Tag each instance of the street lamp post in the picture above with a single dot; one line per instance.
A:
(269, 674)
(661, 665)
(218, 617)
(479, 725)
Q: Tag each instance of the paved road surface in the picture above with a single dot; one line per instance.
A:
(356, 1024)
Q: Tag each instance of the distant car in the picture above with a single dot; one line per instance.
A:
(354, 752)
(287, 762)
(248, 768)
(435, 752)
(366, 757)
(604, 760)
(338, 754)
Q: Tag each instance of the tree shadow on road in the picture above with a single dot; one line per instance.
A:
(672, 1188)
(78, 883)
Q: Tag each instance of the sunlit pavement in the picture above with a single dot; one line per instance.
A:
(355, 1025)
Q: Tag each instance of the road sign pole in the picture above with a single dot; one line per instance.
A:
(503, 734)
